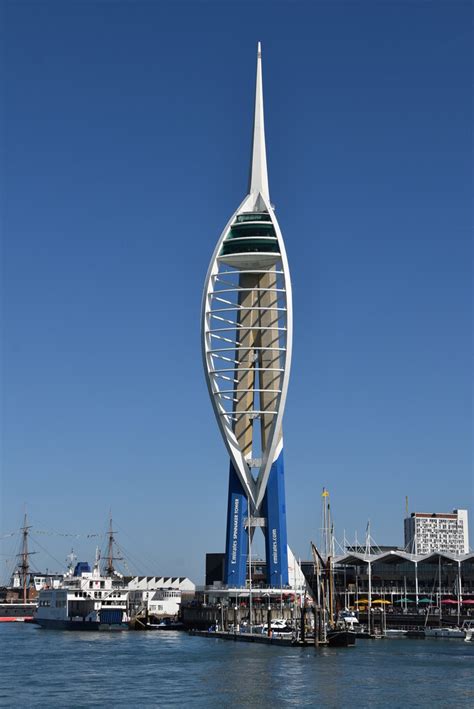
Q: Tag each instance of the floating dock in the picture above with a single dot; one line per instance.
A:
(246, 637)
(260, 638)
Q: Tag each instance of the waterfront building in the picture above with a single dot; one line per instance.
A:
(160, 583)
(410, 581)
(215, 576)
(427, 532)
(158, 595)
(438, 585)
(246, 349)
(162, 602)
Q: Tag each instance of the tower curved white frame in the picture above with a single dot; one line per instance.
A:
(256, 392)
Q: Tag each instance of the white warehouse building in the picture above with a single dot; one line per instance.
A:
(158, 595)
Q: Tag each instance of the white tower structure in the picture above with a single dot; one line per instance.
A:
(246, 347)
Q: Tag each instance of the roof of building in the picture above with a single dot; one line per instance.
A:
(400, 556)
(429, 515)
(154, 582)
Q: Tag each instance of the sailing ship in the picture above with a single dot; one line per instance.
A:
(333, 632)
(17, 604)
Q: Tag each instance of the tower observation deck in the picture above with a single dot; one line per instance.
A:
(246, 348)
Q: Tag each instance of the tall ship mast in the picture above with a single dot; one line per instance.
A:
(247, 322)
(109, 567)
(17, 603)
(24, 558)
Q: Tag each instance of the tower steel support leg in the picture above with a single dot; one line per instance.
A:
(274, 509)
(237, 536)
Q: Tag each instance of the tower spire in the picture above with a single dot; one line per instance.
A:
(258, 168)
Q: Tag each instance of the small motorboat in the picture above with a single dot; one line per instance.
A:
(166, 624)
(444, 633)
(395, 633)
(278, 625)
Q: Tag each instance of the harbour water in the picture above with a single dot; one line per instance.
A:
(46, 668)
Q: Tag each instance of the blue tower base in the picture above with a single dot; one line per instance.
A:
(274, 511)
(236, 546)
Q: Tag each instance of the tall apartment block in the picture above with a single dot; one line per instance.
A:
(427, 532)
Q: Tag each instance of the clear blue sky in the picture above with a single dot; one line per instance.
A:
(126, 141)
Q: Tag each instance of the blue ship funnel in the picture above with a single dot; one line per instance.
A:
(82, 567)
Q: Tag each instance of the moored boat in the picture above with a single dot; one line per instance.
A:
(341, 638)
(16, 612)
(444, 633)
(85, 600)
(415, 634)
(166, 624)
(277, 626)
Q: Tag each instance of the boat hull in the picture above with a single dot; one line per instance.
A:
(455, 633)
(84, 626)
(415, 634)
(395, 633)
(341, 638)
(20, 619)
(165, 626)
(16, 612)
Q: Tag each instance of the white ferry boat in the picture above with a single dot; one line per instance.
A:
(85, 600)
